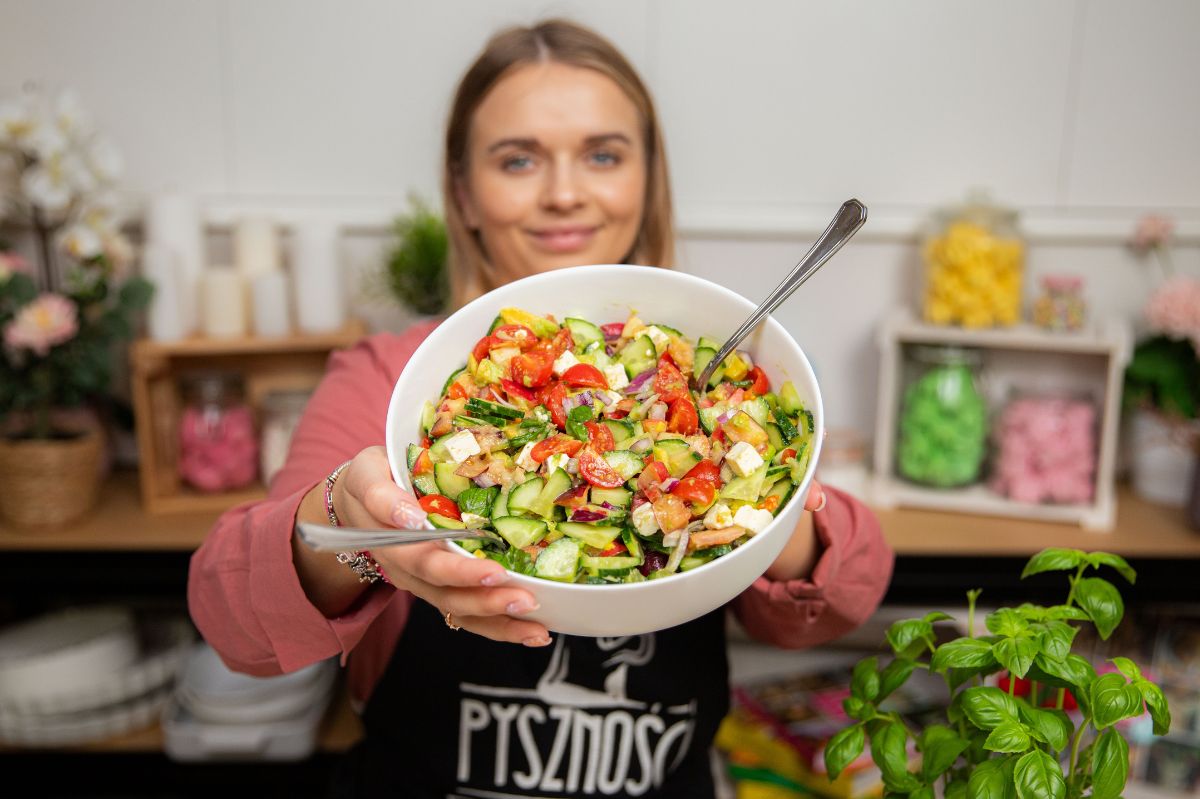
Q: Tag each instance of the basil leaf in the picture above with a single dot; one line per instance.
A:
(1052, 726)
(1113, 699)
(1157, 704)
(1072, 672)
(1006, 622)
(940, 747)
(1128, 668)
(924, 792)
(937, 615)
(857, 709)
(478, 500)
(1102, 602)
(1038, 776)
(865, 681)
(1009, 736)
(575, 421)
(987, 707)
(1110, 766)
(962, 653)
(907, 637)
(1016, 654)
(1056, 639)
(992, 779)
(1098, 559)
(890, 752)
(893, 676)
(1052, 560)
(1066, 612)
(956, 790)
(843, 749)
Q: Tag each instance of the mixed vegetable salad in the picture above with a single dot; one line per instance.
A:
(592, 457)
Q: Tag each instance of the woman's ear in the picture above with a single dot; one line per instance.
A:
(466, 204)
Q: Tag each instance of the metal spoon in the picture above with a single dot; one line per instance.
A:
(850, 217)
(324, 538)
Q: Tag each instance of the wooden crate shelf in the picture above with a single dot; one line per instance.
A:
(285, 363)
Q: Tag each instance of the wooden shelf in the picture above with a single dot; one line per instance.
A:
(201, 346)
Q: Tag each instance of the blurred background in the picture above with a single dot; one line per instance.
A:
(1033, 180)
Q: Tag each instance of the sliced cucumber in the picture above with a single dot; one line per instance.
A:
(677, 455)
(783, 489)
(702, 357)
(475, 421)
(708, 418)
(624, 462)
(746, 488)
(774, 435)
(559, 561)
(619, 497)
(437, 450)
(523, 497)
(616, 563)
(445, 522)
(428, 417)
(583, 333)
(638, 355)
(520, 532)
(414, 452)
(425, 483)
(449, 484)
(500, 506)
(556, 484)
(705, 341)
(633, 544)
(479, 407)
(757, 409)
(598, 536)
(620, 428)
(666, 329)
(451, 378)
(789, 399)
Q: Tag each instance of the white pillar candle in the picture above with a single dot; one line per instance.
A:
(224, 300)
(320, 299)
(270, 301)
(174, 221)
(160, 265)
(255, 247)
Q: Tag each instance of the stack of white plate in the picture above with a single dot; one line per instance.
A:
(218, 714)
(86, 674)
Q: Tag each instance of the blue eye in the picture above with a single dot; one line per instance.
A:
(605, 158)
(516, 163)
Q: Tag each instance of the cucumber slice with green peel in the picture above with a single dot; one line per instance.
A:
(559, 561)
(614, 563)
(475, 421)
(701, 358)
(709, 343)
(783, 489)
(437, 450)
(638, 355)
(774, 435)
(789, 399)
(620, 429)
(776, 471)
(757, 409)
(525, 495)
(425, 483)
(598, 536)
(708, 419)
(677, 455)
(451, 378)
(520, 532)
(499, 320)
(700, 557)
(428, 417)
(556, 484)
(445, 522)
(583, 333)
(624, 462)
(500, 506)
(479, 407)
(666, 329)
(411, 455)
(619, 497)
(449, 484)
(633, 544)
(746, 488)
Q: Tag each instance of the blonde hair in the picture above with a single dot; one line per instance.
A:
(562, 42)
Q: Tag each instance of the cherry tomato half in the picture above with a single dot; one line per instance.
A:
(443, 506)
(482, 347)
(518, 390)
(699, 492)
(554, 445)
(584, 375)
(552, 397)
(682, 418)
(532, 369)
(760, 385)
(513, 335)
(670, 513)
(596, 470)
(600, 438)
(669, 383)
(707, 471)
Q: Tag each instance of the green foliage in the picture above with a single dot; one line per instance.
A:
(78, 370)
(1164, 373)
(998, 745)
(416, 271)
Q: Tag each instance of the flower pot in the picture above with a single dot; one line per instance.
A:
(1162, 458)
(50, 482)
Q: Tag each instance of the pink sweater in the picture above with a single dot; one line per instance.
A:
(246, 599)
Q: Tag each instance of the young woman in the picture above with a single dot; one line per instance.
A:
(554, 158)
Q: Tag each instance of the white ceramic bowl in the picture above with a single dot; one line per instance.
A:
(607, 294)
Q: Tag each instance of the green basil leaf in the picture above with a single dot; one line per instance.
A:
(478, 500)
(958, 677)
(992, 779)
(1038, 776)
(956, 790)
(1056, 639)
(1098, 559)
(1102, 602)
(1113, 699)
(987, 707)
(856, 708)
(937, 615)
(576, 418)
(1006, 622)
(1072, 672)
(843, 749)
(940, 747)
(1110, 766)
(1009, 736)
(1066, 613)
(962, 653)
(1052, 560)
(865, 682)
(1128, 668)
(1016, 654)
(894, 675)
(1157, 704)
(1052, 726)
(1032, 612)
(889, 751)
(924, 792)
(907, 637)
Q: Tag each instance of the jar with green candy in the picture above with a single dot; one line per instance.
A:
(943, 420)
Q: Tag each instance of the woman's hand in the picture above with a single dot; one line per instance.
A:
(471, 590)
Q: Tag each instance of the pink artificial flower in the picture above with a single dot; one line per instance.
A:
(10, 263)
(1174, 309)
(46, 322)
(1152, 231)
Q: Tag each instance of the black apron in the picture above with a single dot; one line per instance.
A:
(458, 716)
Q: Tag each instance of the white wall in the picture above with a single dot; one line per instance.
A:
(1082, 113)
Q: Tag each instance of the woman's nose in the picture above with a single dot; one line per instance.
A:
(563, 191)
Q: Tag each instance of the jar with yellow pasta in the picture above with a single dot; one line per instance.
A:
(974, 259)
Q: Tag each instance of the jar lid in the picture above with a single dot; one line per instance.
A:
(946, 355)
(289, 401)
(212, 386)
(1062, 282)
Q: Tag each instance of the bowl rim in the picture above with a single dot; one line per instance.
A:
(442, 330)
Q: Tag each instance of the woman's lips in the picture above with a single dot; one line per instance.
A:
(564, 239)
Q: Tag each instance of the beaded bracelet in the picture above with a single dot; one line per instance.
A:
(361, 563)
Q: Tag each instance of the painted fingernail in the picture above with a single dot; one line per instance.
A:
(406, 515)
(537, 640)
(519, 606)
(495, 578)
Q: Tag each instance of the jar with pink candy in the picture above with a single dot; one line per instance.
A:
(218, 448)
(1046, 449)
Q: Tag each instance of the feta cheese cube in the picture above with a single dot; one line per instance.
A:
(557, 461)
(502, 355)
(718, 517)
(743, 459)
(564, 362)
(659, 337)
(462, 445)
(753, 519)
(474, 521)
(525, 458)
(616, 377)
(612, 396)
(644, 521)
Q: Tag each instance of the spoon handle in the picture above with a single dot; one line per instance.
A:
(850, 217)
(324, 538)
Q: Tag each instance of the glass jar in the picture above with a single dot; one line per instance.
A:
(1045, 445)
(943, 419)
(218, 450)
(1060, 306)
(281, 412)
(974, 258)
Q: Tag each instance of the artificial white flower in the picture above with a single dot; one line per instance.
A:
(44, 187)
(47, 142)
(78, 174)
(17, 122)
(105, 160)
(82, 242)
(70, 116)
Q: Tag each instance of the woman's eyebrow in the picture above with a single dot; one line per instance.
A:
(533, 144)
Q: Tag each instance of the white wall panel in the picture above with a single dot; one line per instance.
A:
(148, 71)
(1137, 133)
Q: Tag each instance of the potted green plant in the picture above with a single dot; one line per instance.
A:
(996, 744)
(414, 271)
(61, 317)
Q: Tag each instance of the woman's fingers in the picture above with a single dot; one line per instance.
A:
(504, 628)
(368, 495)
(815, 501)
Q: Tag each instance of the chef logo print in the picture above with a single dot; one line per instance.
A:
(580, 731)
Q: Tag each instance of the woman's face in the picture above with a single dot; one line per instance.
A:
(556, 171)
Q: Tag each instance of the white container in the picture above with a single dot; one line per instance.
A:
(186, 738)
(207, 679)
(161, 266)
(1162, 458)
(256, 247)
(173, 221)
(224, 301)
(317, 277)
(270, 302)
(604, 294)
